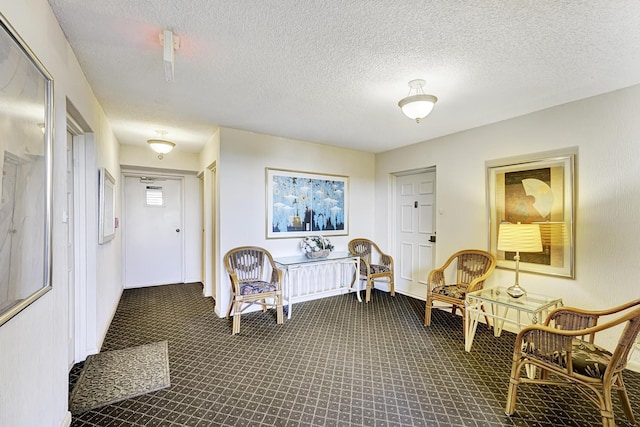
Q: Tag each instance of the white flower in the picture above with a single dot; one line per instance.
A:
(315, 244)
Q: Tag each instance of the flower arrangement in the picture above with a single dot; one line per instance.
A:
(316, 246)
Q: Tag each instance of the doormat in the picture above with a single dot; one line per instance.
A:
(117, 375)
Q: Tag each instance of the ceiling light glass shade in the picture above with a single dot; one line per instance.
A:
(161, 146)
(417, 105)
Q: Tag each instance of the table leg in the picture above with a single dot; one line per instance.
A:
(498, 319)
(357, 275)
(288, 292)
(470, 325)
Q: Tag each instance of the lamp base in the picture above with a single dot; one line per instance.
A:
(516, 291)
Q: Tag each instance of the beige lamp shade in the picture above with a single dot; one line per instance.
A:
(554, 233)
(519, 237)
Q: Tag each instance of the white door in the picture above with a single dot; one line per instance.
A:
(69, 217)
(153, 231)
(415, 227)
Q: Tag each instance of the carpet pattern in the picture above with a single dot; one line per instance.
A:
(337, 362)
(117, 375)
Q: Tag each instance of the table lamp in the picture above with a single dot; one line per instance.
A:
(518, 238)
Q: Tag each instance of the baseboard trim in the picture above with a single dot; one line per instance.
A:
(66, 421)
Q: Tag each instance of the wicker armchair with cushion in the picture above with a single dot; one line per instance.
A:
(255, 279)
(374, 264)
(472, 267)
(564, 354)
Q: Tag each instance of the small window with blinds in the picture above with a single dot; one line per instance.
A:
(154, 196)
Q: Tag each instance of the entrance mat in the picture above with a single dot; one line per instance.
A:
(117, 375)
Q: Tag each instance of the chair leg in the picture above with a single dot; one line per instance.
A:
(427, 311)
(279, 316)
(486, 318)
(369, 286)
(392, 287)
(236, 317)
(230, 307)
(514, 381)
(544, 374)
(264, 305)
(607, 418)
(606, 407)
(624, 400)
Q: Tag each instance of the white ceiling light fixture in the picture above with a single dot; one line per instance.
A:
(170, 43)
(417, 105)
(160, 145)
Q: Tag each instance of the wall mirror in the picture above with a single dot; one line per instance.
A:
(26, 114)
(107, 208)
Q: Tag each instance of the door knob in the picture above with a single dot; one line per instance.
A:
(177, 230)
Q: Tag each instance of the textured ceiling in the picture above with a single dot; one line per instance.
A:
(332, 71)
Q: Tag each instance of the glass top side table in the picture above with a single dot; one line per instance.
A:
(534, 306)
(292, 265)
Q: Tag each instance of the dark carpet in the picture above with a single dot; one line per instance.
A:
(337, 362)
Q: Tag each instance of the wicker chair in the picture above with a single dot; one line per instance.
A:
(472, 267)
(254, 280)
(374, 264)
(563, 349)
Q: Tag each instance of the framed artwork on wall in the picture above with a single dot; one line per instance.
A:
(26, 126)
(304, 203)
(107, 212)
(535, 189)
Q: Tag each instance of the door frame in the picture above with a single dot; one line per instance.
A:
(138, 173)
(392, 208)
(214, 285)
(84, 236)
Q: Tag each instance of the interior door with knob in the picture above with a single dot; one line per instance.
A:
(152, 228)
(415, 232)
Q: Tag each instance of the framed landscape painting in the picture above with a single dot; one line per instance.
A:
(535, 189)
(303, 203)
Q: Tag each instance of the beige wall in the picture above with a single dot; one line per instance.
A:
(33, 345)
(606, 131)
(241, 175)
(143, 157)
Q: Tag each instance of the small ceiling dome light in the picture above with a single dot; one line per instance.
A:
(417, 105)
(161, 146)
